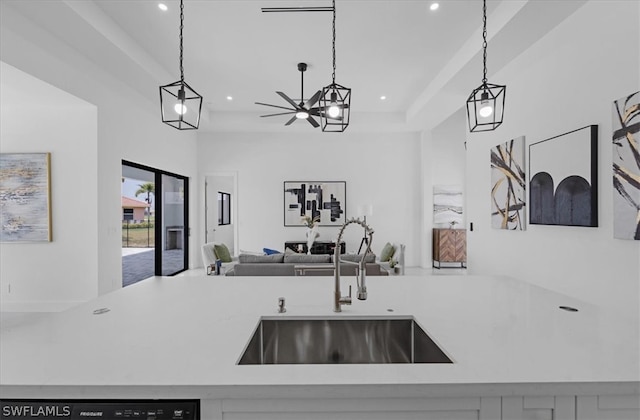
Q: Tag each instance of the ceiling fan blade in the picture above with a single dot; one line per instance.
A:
(291, 120)
(275, 106)
(286, 98)
(282, 113)
(313, 122)
(312, 101)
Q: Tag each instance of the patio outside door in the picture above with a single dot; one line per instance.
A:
(174, 226)
(155, 223)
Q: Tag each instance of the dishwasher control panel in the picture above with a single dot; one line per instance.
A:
(100, 409)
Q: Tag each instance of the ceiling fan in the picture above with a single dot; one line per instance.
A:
(303, 110)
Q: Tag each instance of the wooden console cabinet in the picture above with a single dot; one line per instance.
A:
(449, 246)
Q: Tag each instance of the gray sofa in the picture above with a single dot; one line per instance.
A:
(291, 264)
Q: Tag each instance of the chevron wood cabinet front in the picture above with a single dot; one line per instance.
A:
(449, 246)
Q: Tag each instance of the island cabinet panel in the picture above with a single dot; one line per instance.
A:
(362, 408)
(449, 246)
(534, 407)
(539, 408)
(612, 407)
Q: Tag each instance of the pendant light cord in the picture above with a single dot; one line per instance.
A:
(333, 75)
(484, 39)
(181, 49)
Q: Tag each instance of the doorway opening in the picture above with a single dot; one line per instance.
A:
(221, 210)
(154, 223)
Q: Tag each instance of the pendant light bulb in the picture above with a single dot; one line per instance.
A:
(180, 107)
(486, 109)
(334, 109)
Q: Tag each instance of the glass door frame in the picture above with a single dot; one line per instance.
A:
(159, 225)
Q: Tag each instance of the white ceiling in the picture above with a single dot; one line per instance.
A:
(424, 62)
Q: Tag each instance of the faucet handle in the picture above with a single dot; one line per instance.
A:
(346, 300)
(281, 308)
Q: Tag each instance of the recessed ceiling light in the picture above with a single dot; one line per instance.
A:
(163, 7)
(434, 6)
(229, 98)
(382, 98)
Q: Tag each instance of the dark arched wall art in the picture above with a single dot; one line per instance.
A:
(563, 189)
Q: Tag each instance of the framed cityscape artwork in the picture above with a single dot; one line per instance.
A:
(324, 201)
(564, 179)
(25, 197)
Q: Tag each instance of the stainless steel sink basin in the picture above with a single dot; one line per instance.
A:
(340, 340)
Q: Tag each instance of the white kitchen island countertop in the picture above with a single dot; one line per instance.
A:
(179, 336)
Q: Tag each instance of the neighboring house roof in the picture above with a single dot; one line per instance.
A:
(131, 203)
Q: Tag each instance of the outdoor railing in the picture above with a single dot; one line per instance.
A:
(138, 234)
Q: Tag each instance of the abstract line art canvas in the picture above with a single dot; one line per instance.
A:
(508, 189)
(626, 167)
(447, 205)
(25, 208)
(321, 200)
(564, 179)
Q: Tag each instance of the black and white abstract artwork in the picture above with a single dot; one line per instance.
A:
(320, 200)
(508, 190)
(447, 206)
(626, 167)
(564, 179)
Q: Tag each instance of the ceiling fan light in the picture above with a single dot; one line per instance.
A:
(302, 115)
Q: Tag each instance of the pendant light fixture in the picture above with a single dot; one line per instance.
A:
(485, 106)
(179, 103)
(335, 102)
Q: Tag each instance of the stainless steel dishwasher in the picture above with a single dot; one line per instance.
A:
(22, 409)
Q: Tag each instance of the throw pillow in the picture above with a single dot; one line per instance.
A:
(268, 251)
(222, 253)
(387, 252)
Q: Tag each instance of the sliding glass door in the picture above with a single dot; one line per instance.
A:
(162, 207)
(174, 226)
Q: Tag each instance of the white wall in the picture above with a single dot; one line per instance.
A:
(36, 118)
(381, 169)
(566, 81)
(128, 127)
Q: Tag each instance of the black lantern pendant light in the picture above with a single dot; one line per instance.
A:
(485, 106)
(335, 102)
(179, 103)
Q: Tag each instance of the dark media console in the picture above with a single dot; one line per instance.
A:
(318, 247)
